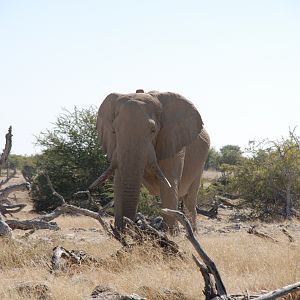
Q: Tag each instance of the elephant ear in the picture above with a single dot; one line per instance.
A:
(105, 118)
(180, 124)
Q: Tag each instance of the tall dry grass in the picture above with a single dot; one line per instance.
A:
(245, 262)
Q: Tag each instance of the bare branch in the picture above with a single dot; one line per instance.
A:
(105, 175)
(31, 224)
(54, 193)
(280, 292)
(209, 291)
(11, 209)
(7, 148)
(5, 230)
(14, 188)
(221, 291)
(8, 177)
(60, 252)
(252, 230)
(103, 209)
(291, 239)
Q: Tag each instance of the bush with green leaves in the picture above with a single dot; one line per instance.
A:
(213, 159)
(71, 157)
(21, 161)
(269, 179)
(228, 154)
(148, 204)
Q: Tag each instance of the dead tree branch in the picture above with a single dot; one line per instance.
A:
(67, 208)
(5, 230)
(8, 178)
(7, 148)
(60, 252)
(54, 193)
(263, 235)
(210, 265)
(106, 174)
(14, 188)
(296, 212)
(230, 202)
(290, 237)
(103, 209)
(280, 292)
(212, 213)
(209, 290)
(11, 209)
(31, 224)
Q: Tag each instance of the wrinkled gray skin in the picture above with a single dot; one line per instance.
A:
(155, 139)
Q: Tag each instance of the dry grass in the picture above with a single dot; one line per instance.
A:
(246, 262)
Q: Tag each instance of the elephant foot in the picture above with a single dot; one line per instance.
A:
(172, 229)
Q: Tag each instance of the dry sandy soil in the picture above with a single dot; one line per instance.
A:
(246, 262)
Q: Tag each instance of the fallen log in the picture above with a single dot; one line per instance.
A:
(228, 202)
(31, 224)
(280, 292)
(291, 239)
(212, 213)
(5, 230)
(263, 235)
(25, 186)
(11, 209)
(60, 252)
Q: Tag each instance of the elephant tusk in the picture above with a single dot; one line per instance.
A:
(104, 176)
(160, 175)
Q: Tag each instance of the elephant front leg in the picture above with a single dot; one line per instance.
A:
(169, 199)
(172, 169)
(190, 202)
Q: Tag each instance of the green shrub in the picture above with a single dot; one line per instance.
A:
(269, 179)
(148, 204)
(72, 158)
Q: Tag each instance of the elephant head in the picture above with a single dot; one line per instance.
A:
(138, 130)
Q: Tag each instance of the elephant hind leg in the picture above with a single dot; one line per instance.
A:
(190, 202)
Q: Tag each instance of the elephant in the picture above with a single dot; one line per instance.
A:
(156, 139)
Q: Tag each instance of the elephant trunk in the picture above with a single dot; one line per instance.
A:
(127, 183)
(128, 179)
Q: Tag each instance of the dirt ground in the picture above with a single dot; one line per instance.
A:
(247, 262)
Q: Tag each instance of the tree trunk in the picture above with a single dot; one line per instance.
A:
(288, 204)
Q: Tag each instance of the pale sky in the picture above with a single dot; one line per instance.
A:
(237, 61)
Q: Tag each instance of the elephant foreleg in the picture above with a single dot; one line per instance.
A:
(190, 202)
(172, 169)
(169, 199)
